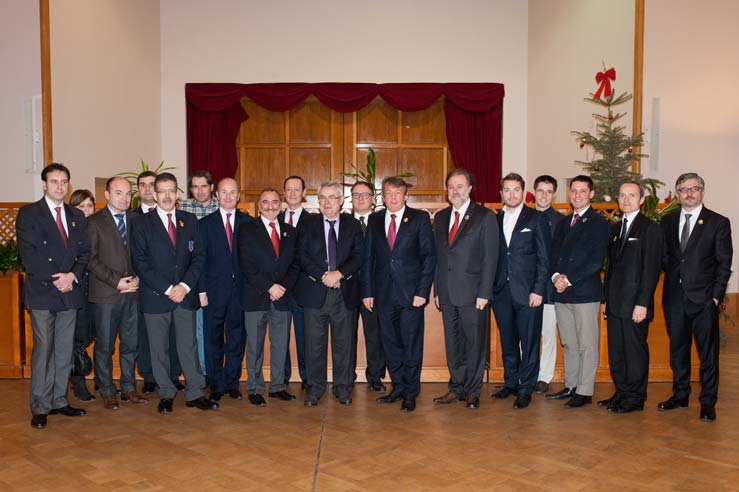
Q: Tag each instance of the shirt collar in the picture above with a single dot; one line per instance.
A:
(398, 214)
(463, 209)
(693, 213)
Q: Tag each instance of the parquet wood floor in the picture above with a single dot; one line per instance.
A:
(365, 447)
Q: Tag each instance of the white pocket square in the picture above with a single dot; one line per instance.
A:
(526, 230)
(633, 239)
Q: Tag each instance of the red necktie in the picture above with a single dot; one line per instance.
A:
(60, 226)
(229, 232)
(574, 220)
(151, 208)
(455, 226)
(392, 232)
(290, 220)
(275, 239)
(170, 230)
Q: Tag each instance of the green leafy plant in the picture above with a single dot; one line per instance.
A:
(10, 259)
(132, 177)
(368, 174)
(651, 208)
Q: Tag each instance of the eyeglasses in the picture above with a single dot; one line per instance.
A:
(693, 189)
(361, 195)
(331, 198)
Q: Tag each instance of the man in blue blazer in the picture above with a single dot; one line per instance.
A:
(54, 249)
(577, 260)
(520, 286)
(168, 257)
(398, 266)
(220, 289)
(330, 256)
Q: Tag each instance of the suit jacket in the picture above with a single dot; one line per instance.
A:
(262, 268)
(465, 269)
(159, 265)
(312, 256)
(43, 254)
(578, 253)
(524, 264)
(703, 271)
(395, 277)
(633, 267)
(110, 259)
(553, 218)
(221, 277)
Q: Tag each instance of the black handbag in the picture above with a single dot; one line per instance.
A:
(81, 362)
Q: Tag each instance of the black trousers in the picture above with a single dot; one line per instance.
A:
(225, 343)
(375, 370)
(628, 358)
(401, 328)
(686, 320)
(466, 340)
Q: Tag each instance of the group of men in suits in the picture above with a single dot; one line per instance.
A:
(323, 271)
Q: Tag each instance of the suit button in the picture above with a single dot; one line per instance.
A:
(50, 259)
(44, 242)
(508, 254)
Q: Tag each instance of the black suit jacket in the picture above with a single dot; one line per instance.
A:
(304, 215)
(110, 259)
(405, 272)
(578, 253)
(313, 259)
(160, 265)
(524, 264)
(221, 274)
(262, 268)
(633, 267)
(553, 218)
(466, 268)
(703, 271)
(43, 254)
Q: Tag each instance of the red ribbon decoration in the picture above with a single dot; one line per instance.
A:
(604, 79)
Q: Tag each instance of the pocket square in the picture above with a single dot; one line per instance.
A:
(526, 230)
(633, 239)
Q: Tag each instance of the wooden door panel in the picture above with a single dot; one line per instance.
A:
(310, 123)
(424, 127)
(313, 164)
(262, 127)
(377, 123)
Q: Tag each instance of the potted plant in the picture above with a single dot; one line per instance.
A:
(132, 177)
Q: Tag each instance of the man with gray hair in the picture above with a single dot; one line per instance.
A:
(697, 264)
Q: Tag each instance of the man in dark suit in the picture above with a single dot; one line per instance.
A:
(114, 294)
(545, 187)
(220, 289)
(330, 256)
(293, 215)
(397, 270)
(363, 199)
(54, 249)
(467, 254)
(577, 259)
(168, 258)
(267, 256)
(520, 285)
(632, 272)
(697, 264)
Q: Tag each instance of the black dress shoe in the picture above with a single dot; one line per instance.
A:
(148, 388)
(165, 405)
(84, 398)
(708, 413)
(391, 397)
(376, 386)
(561, 395)
(672, 403)
(578, 401)
(202, 403)
(282, 395)
(235, 394)
(310, 401)
(179, 386)
(522, 401)
(344, 399)
(68, 411)
(38, 421)
(504, 393)
(473, 402)
(610, 402)
(626, 407)
(257, 400)
(216, 395)
(408, 405)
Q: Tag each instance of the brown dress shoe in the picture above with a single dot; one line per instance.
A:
(110, 402)
(447, 398)
(135, 398)
(541, 387)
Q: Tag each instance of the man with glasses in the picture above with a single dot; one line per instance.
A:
(697, 266)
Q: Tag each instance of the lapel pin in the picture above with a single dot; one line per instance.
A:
(585, 219)
(284, 234)
(74, 224)
(182, 224)
(405, 219)
(467, 217)
(700, 222)
(615, 238)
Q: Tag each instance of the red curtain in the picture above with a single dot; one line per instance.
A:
(474, 113)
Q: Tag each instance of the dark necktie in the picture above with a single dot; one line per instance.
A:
(363, 224)
(121, 227)
(60, 226)
(171, 230)
(575, 220)
(455, 226)
(275, 239)
(229, 232)
(150, 209)
(331, 246)
(624, 231)
(290, 220)
(685, 235)
(392, 232)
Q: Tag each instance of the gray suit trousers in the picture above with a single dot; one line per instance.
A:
(256, 323)
(51, 359)
(111, 320)
(578, 330)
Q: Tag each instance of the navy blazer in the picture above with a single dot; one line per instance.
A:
(703, 270)
(578, 252)
(43, 254)
(524, 264)
(553, 218)
(262, 268)
(159, 265)
(395, 277)
(313, 258)
(221, 279)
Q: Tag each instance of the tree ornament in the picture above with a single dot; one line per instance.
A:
(596, 167)
(631, 150)
(582, 145)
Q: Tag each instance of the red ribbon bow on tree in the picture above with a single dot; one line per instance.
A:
(604, 79)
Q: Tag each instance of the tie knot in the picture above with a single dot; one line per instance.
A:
(169, 216)
(272, 225)
(687, 216)
(59, 208)
(228, 215)
(392, 216)
(361, 219)
(456, 214)
(119, 216)
(331, 222)
(151, 208)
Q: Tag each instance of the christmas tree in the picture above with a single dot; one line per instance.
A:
(612, 149)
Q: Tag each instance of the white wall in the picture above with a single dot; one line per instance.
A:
(569, 40)
(691, 64)
(344, 41)
(105, 77)
(20, 59)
